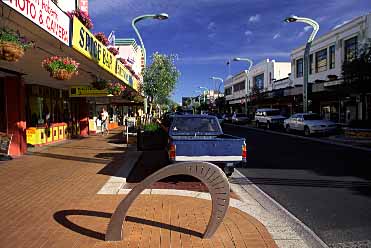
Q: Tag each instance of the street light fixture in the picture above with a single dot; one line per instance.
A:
(221, 82)
(207, 90)
(161, 16)
(315, 27)
(247, 86)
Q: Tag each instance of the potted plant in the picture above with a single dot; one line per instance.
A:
(12, 45)
(113, 50)
(152, 137)
(83, 17)
(99, 84)
(102, 38)
(332, 77)
(115, 88)
(61, 68)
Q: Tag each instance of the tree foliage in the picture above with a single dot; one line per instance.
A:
(160, 78)
(357, 72)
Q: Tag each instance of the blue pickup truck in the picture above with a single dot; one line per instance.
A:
(200, 138)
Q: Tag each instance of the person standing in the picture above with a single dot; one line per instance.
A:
(104, 116)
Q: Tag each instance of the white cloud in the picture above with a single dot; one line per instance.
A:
(254, 18)
(307, 28)
(212, 35)
(211, 26)
(224, 57)
(276, 36)
(341, 24)
(248, 33)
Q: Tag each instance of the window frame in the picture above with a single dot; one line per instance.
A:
(297, 68)
(347, 46)
(317, 60)
(332, 56)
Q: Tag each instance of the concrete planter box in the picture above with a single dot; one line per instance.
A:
(357, 132)
(147, 141)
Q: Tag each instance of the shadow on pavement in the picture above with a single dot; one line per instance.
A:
(305, 183)
(62, 218)
(72, 158)
(152, 161)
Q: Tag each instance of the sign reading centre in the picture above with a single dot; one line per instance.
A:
(46, 15)
(86, 43)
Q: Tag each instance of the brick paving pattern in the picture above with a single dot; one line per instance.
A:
(49, 199)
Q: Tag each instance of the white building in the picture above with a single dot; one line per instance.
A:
(129, 50)
(328, 52)
(262, 75)
(327, 55)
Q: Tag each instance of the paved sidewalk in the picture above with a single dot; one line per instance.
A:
(49, 199)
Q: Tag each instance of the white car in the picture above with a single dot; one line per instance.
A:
(309, 123)
(269, 118)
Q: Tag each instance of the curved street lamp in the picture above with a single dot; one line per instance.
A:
(207, 90)
(247, 86)
(162, 16)
(315, 27)
(220, 84)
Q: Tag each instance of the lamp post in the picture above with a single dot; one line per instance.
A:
(199, 99)
(162, 16)
(221, 82)
(207, 90)
(247, 86)
(315, 27)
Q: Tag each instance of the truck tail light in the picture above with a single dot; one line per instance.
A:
(244, 153)
(172, 152)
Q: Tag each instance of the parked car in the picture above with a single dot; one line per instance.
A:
(220, 118)
(240, 119)
(269, 118)
(200, 138)
(309, 123)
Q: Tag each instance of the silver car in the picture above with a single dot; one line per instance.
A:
(309, 123)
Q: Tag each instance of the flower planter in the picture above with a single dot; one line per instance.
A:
(61, 74)
(10, 51)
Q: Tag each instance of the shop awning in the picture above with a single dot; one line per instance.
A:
(46, 46)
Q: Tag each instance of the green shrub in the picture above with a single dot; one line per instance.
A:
(152, 127)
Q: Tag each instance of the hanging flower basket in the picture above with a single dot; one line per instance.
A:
(123, 61)
(102, 38)
(116, 88)
(99, 84)
(61, 68)
(83, 17)
(113, 50)
(61, 74)
(12, 45)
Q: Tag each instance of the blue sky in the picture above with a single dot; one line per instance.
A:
(205, 33)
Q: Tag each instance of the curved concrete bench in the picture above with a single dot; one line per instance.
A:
(211, 175)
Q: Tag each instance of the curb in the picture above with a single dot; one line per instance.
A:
(328, 142)
(271, 205)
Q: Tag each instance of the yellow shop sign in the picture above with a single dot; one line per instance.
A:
(123, 74)
(86, 43)
(86, 91)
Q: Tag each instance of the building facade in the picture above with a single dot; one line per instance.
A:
(240, 88)
(327, 93)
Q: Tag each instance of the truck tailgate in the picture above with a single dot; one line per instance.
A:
(209, 150)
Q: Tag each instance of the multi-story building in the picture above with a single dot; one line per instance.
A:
(327, 55)
(239, 88)
(129, 50)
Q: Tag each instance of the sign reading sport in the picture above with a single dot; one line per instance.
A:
(86, 43)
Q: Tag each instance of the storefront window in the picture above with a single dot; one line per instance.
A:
(228, 91)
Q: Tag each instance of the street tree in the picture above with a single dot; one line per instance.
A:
(160, 78)
(357, 74)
